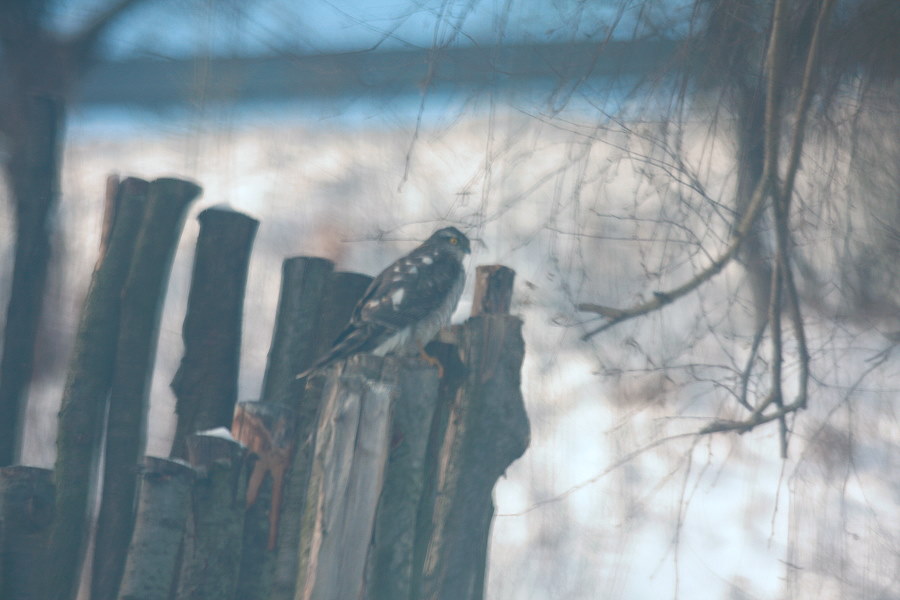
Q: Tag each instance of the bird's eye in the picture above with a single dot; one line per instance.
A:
(454, 240)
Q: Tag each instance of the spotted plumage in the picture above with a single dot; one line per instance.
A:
(408, 303)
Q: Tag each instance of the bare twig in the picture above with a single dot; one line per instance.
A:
(660, 299)
(748, 369)
(763, 190)
(722, 425)
(783, 286)
(782, 276)
(775, 320)
(804, 101)
(803, 105)
(592, 480)
(775, 68)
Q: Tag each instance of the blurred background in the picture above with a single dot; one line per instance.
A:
(605, 150)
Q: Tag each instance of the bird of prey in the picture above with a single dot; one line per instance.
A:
(408, 303)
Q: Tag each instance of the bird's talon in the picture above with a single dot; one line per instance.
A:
(433, 361)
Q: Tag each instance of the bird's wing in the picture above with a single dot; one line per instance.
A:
(409, 290)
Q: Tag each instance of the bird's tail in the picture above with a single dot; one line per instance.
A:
(350, 342)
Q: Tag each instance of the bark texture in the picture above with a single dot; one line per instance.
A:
(206, 383)
(84, 401)
(142, 301)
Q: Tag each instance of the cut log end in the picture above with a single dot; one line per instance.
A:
(493, 290)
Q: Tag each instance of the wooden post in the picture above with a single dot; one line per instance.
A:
(211, 558)
(26, 511)
(162, 510)
(314, 305)
(391, 556)
(352, 444)
(31, 165)
(269, 432)
(484, 429)
(341, 294)
(83, 409)
(207, 379)
(303, 285)
(493, 290)
(142, 301)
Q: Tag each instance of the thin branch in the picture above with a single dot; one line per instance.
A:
(587, 482)
(775, 67)
(775, 320)
(660, 299)
(748, 369)
(722, 425)
(775, 63)
(803, 106)
(804, 101)
(764, 187)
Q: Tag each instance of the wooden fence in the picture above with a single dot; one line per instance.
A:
(372, 479)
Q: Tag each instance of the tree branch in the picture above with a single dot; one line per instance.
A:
(764, 188)
(786, 194)
(782, 277)
(722, 425)
(775, 303)
(805, 99)
(660, 299)
(748, 368)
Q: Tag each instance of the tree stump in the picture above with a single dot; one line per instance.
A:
(211, 557)
(26, 511)
(163, 505)
(207, 379)
(142, 300)
(480, 428)
(352, 445)
(268, 430)
(389, 572)
(88, 382)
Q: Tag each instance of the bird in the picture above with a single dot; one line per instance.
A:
(406, 304)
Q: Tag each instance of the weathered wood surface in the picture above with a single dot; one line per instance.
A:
(207, 379)
(480, 427)
(341, 294)
(211, 555)
(372, 479)
(493, 290)
(142, 300)
(88, 382)
(352, 445)
(485, 431)
(389, 572)
(164, 500)
(314, 304)
(26, 511)
(303, 285)
(32, 134)
(268, 430)
(411, 520)
(273, 517)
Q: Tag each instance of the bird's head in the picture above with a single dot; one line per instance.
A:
(451, 239)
